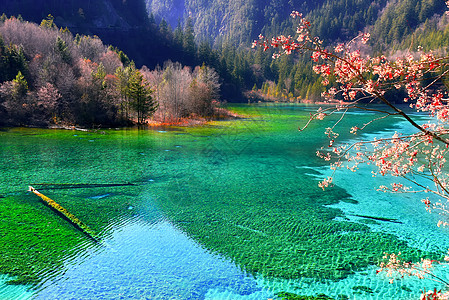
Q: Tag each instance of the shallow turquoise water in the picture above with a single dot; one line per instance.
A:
(227, 211)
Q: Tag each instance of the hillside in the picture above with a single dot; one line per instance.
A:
(219, 34)
(239, 22)
(235, 21)
(124, 24)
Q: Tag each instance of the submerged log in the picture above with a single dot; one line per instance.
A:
(379, 219)
(61, 186)
(74, 220)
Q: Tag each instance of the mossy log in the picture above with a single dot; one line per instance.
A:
(74, 220)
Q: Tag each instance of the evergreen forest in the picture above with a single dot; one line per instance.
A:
(62, 60)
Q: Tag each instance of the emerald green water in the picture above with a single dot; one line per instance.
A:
(231, 210)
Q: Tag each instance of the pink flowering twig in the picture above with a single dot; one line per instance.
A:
(395, 268)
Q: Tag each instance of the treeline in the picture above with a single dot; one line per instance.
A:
(232, 64)
(241, 68)
(219, 34)
(124, 24)
(182, 92)
(50, 76)
(400, 25)
(230, 26)
(394, 25)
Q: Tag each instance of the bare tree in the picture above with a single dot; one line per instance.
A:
(110, 61)
(174, 90)
(205, 89)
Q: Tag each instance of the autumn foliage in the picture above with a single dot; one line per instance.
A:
(48, 76)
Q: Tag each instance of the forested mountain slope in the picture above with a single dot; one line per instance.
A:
(235, 21)
(239, 22)
(401, 18)
(124, 24)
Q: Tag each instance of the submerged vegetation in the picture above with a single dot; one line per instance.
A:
(36, 242)
(288, 233)
(284, 230)
(33, 242)
(291, 296)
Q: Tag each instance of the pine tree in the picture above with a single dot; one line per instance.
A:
(141, 100)
(163, 28)
(20, 85)
(63, 50)
(178, 34)
(205, 52)
(189, 38)
(48, 23)
(122, 86)
(12, 60)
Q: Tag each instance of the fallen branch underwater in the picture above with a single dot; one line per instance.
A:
(74, 220)
(61, 186)
(379, 219)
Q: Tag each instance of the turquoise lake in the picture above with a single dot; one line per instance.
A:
(229, 210)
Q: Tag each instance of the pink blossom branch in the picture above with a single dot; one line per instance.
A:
(359, 78)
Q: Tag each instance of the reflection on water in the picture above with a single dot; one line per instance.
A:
(227, 211)
(149, 261)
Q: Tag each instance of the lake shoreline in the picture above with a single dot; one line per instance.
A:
(221, 115)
